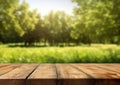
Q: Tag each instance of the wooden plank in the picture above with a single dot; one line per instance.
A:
(45, 74)
(101, 76)
(7, 68)
(18, 75)
(107, 82)
(114, 67)
(67, 75)
(66, 71)
(97, 72)
(59, 74)
(2, 65)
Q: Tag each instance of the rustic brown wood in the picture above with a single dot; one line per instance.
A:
(66, 71)
(69, 75)
(2, 65)
(97, 72)
(106, 82)
(45, 74)
(60, 74)
(6, 68)
(100, 75)
(17, 76)
(110, 67)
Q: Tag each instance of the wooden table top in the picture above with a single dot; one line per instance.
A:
(59, 74)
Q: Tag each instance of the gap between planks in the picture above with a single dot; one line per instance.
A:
(58, 74)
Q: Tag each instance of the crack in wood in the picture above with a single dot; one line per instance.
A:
(25, 81)
(89, 76)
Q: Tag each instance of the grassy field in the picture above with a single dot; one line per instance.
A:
(81, 54)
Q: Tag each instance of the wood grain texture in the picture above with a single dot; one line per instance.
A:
(97, 72)
(45, 74)
(7, 68)
(100, 75)
(109, 67)
(66, 71)
(67, 75)
(17, 76)
(59, 74)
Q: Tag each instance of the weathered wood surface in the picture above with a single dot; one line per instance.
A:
(59, 74)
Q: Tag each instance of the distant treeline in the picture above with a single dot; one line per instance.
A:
(94, 21)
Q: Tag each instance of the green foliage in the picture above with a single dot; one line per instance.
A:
(97, 19)
(15, 19)
(58, 25)
(94, 21)
(27, 19)
(7, 18)
(93, 54)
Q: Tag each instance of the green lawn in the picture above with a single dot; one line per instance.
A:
(81, 54)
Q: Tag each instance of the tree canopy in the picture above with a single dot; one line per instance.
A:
(94, 21)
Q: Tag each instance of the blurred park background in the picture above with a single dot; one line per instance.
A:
(59, 31)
